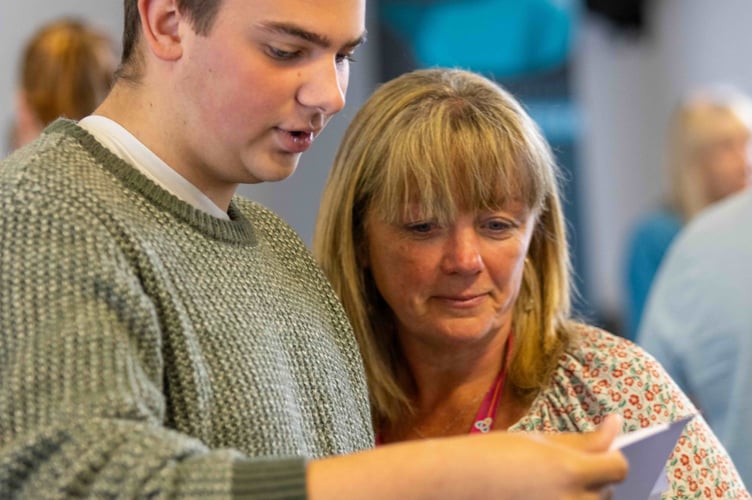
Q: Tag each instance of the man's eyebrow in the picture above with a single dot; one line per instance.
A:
(309, 36)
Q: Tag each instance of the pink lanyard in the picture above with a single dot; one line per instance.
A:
(486, 416)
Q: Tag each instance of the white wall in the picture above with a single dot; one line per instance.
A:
(626, 88)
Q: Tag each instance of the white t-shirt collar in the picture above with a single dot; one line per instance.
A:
(125, 145)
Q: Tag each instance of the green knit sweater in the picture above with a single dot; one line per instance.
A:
(148, 349)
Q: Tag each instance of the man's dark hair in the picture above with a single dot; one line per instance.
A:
(201, 13)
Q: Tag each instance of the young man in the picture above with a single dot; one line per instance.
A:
(161, 337)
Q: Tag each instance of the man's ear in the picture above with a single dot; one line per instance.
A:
(160, 23)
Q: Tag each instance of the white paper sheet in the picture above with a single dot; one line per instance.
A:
(647, 451)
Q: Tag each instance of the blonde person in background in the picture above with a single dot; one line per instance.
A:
(442, 232)
(708, 159)
(66, 69)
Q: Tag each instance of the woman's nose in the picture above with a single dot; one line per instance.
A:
(462, 253)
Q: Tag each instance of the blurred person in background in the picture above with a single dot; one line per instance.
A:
(66, 69)
(442, 231)
(698, 321)
(708, 158)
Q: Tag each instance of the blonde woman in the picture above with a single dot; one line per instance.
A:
(442, 232)
(708, 158)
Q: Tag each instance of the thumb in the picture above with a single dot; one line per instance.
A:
(603, 438)
(597, 441)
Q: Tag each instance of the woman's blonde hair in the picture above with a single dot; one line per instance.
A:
(447, 139)
(701, 118)
(67, 68)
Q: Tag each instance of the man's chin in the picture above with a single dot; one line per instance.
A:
(280, 171)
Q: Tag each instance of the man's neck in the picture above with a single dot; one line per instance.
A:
(143, 115)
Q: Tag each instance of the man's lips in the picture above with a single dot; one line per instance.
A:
(295, 141)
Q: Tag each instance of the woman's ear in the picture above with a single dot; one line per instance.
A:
(360, 236)
(361, 253)
(160, 27)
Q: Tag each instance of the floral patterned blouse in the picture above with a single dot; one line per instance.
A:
(607, 374)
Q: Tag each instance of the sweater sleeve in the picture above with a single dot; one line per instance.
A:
(82, 374)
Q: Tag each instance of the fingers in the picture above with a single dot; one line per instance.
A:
(601, 469)
(608, 430)
(599, 440)
(596, 464)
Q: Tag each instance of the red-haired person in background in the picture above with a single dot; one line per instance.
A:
(66, 69)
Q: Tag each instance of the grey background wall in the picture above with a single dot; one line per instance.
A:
(625, 88)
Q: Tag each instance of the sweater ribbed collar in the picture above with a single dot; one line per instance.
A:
(238, 229)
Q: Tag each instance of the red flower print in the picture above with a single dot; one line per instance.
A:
(693, 485)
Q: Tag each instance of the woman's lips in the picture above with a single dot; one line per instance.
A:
(462, 301)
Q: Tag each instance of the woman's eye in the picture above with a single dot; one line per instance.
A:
(498, 225)
(420, 227)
